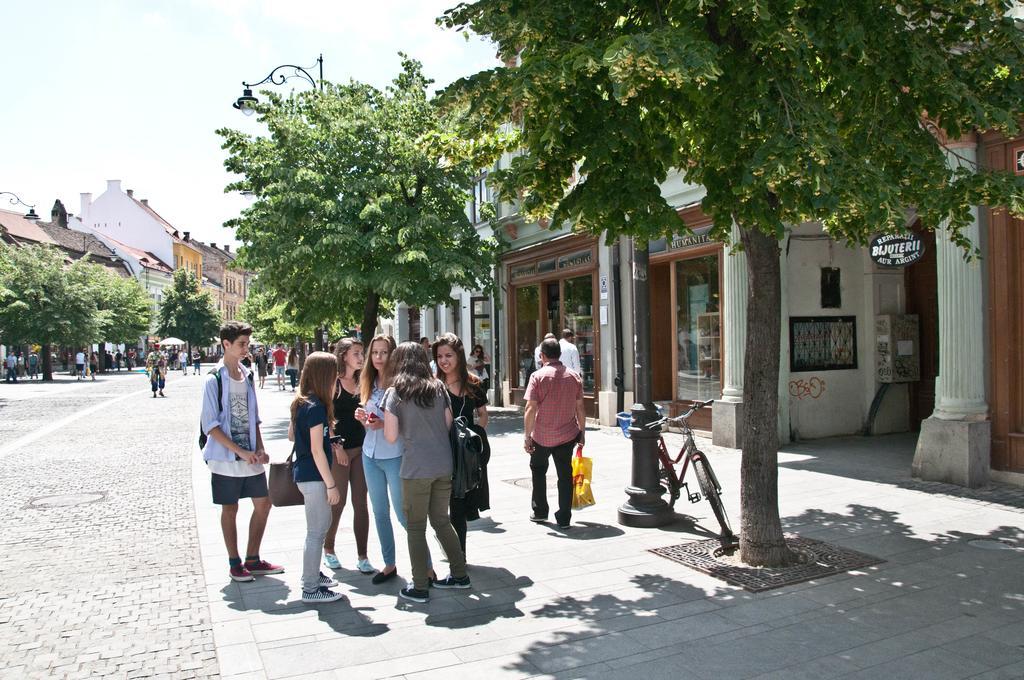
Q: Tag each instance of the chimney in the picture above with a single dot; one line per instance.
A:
(185, 237)
(86, 200)
(131, 193)
(227, 248)
(114, 185)
(58, 215)
(175, 233)
(213, 245)
(145, 202)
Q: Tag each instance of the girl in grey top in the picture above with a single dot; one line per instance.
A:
(416, 409)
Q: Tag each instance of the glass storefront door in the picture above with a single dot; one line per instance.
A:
(578, 293)
(698, 329)
(528, 330)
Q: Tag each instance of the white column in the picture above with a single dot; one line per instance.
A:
(960, 386)
(734, 317)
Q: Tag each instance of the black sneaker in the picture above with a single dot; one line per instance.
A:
(563, 525)
(411, 593)
(321, 594)
(453, 582)
(327, 581)
(537, 518)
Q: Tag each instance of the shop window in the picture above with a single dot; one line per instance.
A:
(528, 333)
(831, 293)
(481, 316)
(579, 318)
(480, 196)
(698, 329)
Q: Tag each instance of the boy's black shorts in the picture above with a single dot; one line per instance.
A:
(227, 490)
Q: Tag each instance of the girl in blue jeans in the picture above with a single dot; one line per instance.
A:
(381, 460)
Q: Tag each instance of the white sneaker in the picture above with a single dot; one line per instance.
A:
(365, 567)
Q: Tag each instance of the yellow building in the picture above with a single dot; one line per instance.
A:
(187, 256)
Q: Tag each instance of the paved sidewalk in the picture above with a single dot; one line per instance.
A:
(591, 602)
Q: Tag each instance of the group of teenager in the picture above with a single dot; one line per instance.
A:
(367, 423)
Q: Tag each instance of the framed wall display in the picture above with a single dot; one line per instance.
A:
(822, 343)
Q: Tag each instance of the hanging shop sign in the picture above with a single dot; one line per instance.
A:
(577, 260)
(897, 250)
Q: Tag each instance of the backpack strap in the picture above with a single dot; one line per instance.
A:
(220, 389)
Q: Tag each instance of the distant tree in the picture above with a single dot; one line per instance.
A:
(188, 312)
(355, 207)
(45, 300)
(128, 309)
(270, 319)
(785, 112)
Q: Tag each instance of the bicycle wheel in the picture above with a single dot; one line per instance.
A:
(711, 490)
(667, 478)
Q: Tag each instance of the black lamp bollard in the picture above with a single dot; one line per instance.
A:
(645, 507)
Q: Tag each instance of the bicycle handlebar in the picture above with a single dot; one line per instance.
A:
(696, 406)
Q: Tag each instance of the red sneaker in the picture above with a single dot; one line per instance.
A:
(263, 568)
(240, 573)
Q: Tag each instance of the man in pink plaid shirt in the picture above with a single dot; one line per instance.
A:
(554, 422)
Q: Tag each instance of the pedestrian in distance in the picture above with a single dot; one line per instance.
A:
(312, 418)
(292, 369)
(234, 452)
(185, 360)
(382, 460)
(538, 357)
(94, 362)
(196, 361)
(157, 374)
(570, 353)
(280, 357)
(468, 401)
(555, 421)
(261, 366)
(80, 364)
(33, 366)
(22, 367)
(416, 409)
(480, 366)
(117, 360)
(11, 363)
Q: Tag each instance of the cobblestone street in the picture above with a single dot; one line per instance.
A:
(113, 587)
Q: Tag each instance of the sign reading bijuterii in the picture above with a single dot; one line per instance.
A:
(896, 250)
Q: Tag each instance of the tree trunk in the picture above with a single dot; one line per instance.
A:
(101, 364)
(370, 312)
(761, 539)
(47, 362)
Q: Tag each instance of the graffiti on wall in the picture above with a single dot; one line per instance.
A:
(811, 388)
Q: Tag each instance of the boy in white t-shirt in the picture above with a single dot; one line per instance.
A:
(234, 451)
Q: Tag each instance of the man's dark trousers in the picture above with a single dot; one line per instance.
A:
(562, 455)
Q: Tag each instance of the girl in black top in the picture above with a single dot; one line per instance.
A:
(348, 471)
(469, 401)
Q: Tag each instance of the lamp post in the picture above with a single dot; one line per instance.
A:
(248, 101)
(15, 200)
(645, 506)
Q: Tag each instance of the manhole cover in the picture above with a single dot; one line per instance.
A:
(521, 482)
(988, 544)
(817, 559)
(66, 500)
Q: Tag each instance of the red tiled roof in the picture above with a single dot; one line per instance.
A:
(146, 258)
(22, 229)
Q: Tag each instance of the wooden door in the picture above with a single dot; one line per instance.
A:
(661, 331)
(1006, 322)
(923, 299)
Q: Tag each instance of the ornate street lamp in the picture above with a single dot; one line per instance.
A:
(14, 200)
(645, 507)
(248, 101)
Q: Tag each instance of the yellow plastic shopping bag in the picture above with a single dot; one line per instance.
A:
(582, 471)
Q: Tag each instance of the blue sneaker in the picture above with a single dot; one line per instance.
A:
(331, 561)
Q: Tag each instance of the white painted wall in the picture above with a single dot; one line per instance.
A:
(841, 406)
(117, 214)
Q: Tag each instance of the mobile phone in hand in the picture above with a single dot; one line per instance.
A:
(337, 439)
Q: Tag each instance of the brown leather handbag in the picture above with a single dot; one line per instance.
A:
(281, 484)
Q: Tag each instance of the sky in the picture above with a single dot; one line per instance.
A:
(134, 89)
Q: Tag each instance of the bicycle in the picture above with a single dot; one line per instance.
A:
(689, 453)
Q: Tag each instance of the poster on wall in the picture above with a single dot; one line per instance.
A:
(822, 343)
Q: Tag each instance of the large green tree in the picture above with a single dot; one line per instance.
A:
(784, 110)
(355, 207)
(187, 311)
(45, 300)
(128, 310)
(270, 319)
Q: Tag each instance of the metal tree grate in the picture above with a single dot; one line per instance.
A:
(818, 559)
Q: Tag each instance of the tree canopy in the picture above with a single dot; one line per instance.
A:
(786, 111)
(354, 206)
(127, 307)
(187, 311)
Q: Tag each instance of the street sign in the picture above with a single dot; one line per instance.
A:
(897, 250)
